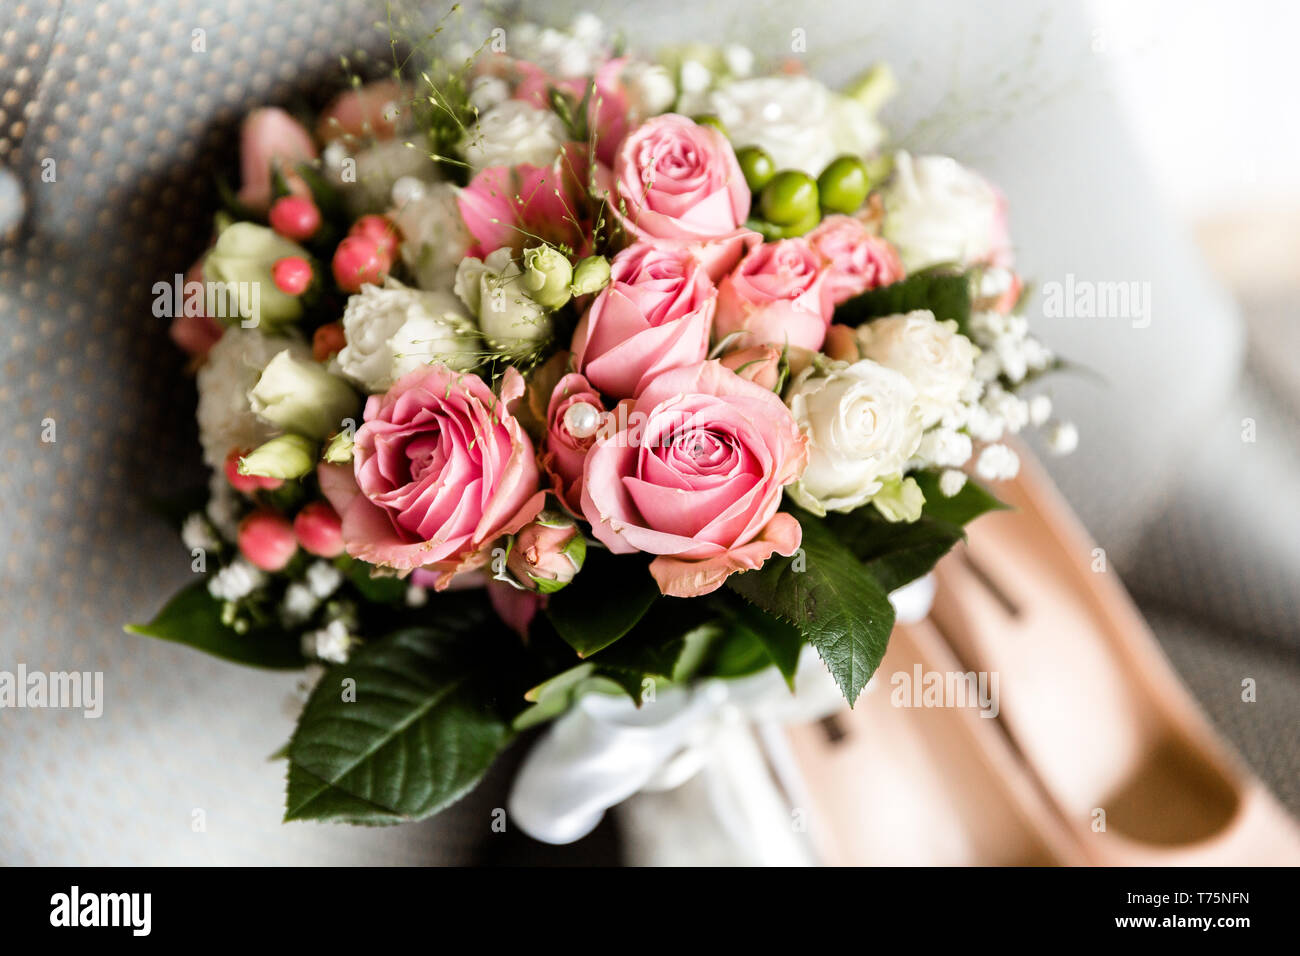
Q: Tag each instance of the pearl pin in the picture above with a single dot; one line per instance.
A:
(582, 419)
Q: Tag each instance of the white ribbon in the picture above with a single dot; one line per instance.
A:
(605, 749)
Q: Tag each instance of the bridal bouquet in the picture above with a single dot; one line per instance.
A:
(538, 369)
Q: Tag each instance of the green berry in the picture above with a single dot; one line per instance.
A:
(710, 119)
(805, 225)
(843, 185)
(757, 167)
(789, 197)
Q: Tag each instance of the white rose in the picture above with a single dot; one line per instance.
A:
(393, 330)
(511, 134)
(650, 89)
(937, 359)
(434, 237)
(297, 394)
(938, 211)
(380, 166)
(509, 319)
(234, 365)
(863, 425)
(799, 122)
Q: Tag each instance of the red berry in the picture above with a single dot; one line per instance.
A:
(319, 530)
(266, 539)
(379, 228)
(295, 217)
(359, 260)
(292, 275)
(328, 341)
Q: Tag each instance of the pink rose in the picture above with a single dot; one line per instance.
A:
(760, 364)
(778, 295)
(271, 136)
(440, 470)
(694, 474)
(856, 259)
(674, 179)
(566, 452)
(523, 205)
(655, 314)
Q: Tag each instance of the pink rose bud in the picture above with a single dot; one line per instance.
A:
(291, 275)
(381, 229)
(760, 364)
(328, 341)
(266, 539)
(319, 530)
(295, 217)
(246, 484)
(358, 261)
(370, 110)
(841, 343)
(270, 136)
(547, 553)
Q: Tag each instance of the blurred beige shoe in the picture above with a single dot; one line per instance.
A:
(1089, 700)
(890, 783)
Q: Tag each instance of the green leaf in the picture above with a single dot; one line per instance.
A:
(898, 553)
(826, 593)
(417, 737)
(962, 508)
(604, 601)
(384, 589)
(942, 291)
(782, 641)
(193, 617)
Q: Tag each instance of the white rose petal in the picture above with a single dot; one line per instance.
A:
(234, 365)
(863, 425)
(511, 134)
(937, 211)
(937, 359)
(434, 237)
(798, 121)
(392, 330)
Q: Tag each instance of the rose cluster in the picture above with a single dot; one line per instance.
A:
(604, 308)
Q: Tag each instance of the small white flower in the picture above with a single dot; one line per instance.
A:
(416, 596)
(323, 579)
(379, 168)
(951, 482)
(1040, 410)
(298, 604)
(197, 532)
(1062, 438)
(695, 77)
(739, 60)
(237, 580)
(997, 463)
(330, 643)
(511, 134)
(945, 448)
(223, 506)
(650, 89)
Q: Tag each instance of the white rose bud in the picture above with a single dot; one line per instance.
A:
(547, 274)
(937, 359)
(300, 396)
(394, 330)
(287, 457)
(864, 424)
(511, 134)
(510, 320)
(590, 275)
